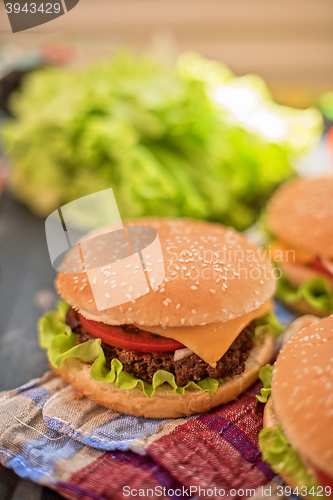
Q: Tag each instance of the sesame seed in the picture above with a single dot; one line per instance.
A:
(165, 302)
(128, 266)
(121, 309)
(178, 306)
(212, 291)
(182, 321)
(75, 289)
(166, 319)
(90, 301)
(105, 282)
(114, 286)
(108, 296)
(82, 288)
(193, 311)
(194, 287)
(124, 283)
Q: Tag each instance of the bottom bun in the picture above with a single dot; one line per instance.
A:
(165, 403)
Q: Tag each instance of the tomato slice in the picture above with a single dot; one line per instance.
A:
(136, 340)
(319, 266)
(325, 481)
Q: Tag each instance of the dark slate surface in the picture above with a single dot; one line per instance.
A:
(26, 290)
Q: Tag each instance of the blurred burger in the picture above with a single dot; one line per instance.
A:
(298, 440)
(195, 341)
(300, 216)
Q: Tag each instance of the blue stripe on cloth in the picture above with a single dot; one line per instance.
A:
(38, 394)
(284, 315)
(239, 440)
(28, 385)
(118, 433)
(40, 457)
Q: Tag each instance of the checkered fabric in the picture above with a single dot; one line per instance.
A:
(85, 451)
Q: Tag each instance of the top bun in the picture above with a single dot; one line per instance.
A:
(302, 393)
(301, 214)
(229, 277)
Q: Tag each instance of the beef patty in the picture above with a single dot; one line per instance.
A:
(143, 365)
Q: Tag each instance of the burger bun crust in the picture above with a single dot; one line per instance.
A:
(199, 287)
(302, 393)
(300, 213)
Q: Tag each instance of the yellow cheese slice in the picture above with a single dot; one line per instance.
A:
(212, 340)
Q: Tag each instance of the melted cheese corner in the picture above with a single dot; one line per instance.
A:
(211, 341)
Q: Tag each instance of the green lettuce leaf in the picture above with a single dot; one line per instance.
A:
(59, 340)
(315, 291)
(265, 375)
(115, 123)
(269, 322)
(278, 452)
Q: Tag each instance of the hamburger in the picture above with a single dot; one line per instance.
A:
(300, 219)
(297, 440)
(196, 340)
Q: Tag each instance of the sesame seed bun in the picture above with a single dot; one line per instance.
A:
(165, 403)
(302, 394)
(229, 283)
(301, 215)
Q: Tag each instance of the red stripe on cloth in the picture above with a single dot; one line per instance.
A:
(196, 454)
(245, 412)
(107, 477)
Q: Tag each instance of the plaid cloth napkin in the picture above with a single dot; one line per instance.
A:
(85, 451)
